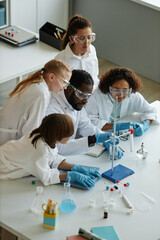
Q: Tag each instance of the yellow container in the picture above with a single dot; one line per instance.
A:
(50, 220)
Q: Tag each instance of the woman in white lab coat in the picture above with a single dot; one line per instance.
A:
(78, 52)
(28, 102)
(37, 154)
(124, 84)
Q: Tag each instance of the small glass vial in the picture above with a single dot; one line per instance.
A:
(92, 203)
(105, 212)
(68, 204)
(142, 153)
(36, 207)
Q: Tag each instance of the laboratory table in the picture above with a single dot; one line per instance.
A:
(15, 62)
(144, 223)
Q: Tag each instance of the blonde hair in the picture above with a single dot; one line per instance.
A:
(53, 66)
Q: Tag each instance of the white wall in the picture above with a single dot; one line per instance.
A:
(33, 14)
(127, 33)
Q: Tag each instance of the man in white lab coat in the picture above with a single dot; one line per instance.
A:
(71, 101)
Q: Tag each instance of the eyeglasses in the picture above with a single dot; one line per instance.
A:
(81, 39)
(118, 91)
(80, 94)
(64, 84)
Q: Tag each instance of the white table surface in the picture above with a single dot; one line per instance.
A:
(17, 196)
(18, 61)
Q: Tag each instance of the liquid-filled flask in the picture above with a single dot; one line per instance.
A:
(67, 204)
(36, 206)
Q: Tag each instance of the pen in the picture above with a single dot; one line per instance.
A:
(88, 235)
(126, 201)
(59, 35)
(56, 207)
(55, 35)
(121, 149)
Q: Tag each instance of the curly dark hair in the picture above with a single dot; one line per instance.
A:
(118, 73)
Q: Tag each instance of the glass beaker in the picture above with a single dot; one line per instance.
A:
(67, 204)
(115, 152)
(36, 206)
(142, 153)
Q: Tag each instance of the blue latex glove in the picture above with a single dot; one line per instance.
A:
(122, 126)
(139, 129)
(86, 181)
(107, 146)
(102, 137)
(91, 172)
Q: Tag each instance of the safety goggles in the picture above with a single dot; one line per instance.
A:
(119, 91)
(81, 39)
(64, 82)
(80, 94)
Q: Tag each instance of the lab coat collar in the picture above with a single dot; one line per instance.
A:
(45, 87)
(64, 102)
(71, 54)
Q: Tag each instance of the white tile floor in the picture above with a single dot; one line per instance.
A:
(150, 90)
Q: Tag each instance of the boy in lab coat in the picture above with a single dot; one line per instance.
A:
(71, 101)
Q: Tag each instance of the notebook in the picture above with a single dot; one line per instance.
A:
(96, 150)
(119, 172)
(106, 232)
(76, 184)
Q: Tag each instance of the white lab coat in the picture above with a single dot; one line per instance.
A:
(87, 62)
(82, 125)
(19, 158)
(20, 115)
(99, 108)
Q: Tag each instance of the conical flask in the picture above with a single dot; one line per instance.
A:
(36, 206)
(67, 203)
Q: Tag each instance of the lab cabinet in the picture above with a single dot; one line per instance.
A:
(3, 13)
(33, 14)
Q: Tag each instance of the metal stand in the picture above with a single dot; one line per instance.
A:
(114, 133)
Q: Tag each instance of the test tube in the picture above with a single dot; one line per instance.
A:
(131, 139)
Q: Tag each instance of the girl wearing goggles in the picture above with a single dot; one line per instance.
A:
(125, 84)
(78, 51)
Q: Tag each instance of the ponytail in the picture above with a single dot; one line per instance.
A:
(34, 78)
(53, 66)
(76, 22)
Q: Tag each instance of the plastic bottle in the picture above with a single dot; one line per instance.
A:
(68, 204)
(36, 206)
